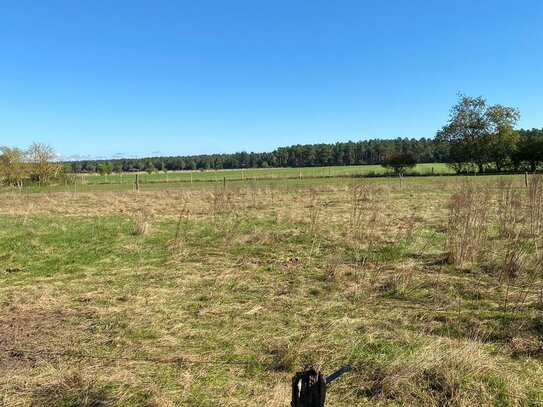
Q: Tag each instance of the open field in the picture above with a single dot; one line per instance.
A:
(199, 295)
(262, 173)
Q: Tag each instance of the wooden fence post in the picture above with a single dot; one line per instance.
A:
(308, 389)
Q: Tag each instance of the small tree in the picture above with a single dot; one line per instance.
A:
(41, 157)
(13, 168)
(118, 168)
(399, 162)
(150, 167)
(105, 168)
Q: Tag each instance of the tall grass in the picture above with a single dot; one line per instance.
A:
(535, 205)
(469, 215)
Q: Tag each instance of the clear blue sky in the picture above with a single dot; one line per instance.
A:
(139, 78)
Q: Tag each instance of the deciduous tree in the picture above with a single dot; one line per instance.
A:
(400, 162)
(42, 167)
(479, 134)
(13, 168)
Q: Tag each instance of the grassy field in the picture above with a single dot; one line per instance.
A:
(259, 173)
(199, 295)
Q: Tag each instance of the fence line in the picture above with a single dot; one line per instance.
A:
(20, 353)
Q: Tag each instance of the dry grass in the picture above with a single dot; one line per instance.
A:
(469, 211)
(453, 374)
(142, 222)
(535, 205)
(322, 274)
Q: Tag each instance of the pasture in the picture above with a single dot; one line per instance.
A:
(257, 174)
(200, 295)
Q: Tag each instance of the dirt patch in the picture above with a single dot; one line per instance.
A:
(35, 370)
(28, 335)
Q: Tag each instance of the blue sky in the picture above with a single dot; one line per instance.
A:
(138, 78)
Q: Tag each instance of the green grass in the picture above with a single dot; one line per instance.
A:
(263, 173)
(274, 274)
(159, 184)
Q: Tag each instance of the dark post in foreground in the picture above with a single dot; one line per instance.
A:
(309, 387)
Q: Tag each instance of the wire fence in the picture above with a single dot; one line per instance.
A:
(21, 353)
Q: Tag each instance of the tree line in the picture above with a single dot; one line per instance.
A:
(477, 137)
(309, 155)
(505, 150)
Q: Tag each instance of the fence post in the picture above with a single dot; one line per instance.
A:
(526, 179)
(308, 389)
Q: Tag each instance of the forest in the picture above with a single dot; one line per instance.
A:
(478, 137)
(526, 154)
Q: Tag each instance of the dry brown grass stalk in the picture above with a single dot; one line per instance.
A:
(510, 214)
(535, 205)
(469, 212)
(436, 376)
(142, 220)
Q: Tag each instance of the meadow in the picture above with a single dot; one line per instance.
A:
(204, 295)
(258, 174)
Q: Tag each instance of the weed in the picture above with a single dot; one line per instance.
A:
(142, 220)
(469, 212)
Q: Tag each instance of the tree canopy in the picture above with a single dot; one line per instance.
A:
(308, 155)
(35, 163)
(400, 162)
(478, 134)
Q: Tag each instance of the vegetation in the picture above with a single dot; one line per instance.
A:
(477, 134)
(510, 150)
(35, 163)
(477, 137)
(369, 152)
(212, 179)
(400, 162)
(13, 169)
(216, 296)
(191, 291)
(529, 150)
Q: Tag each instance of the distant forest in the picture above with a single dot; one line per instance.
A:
(425, 150)
(309, 155)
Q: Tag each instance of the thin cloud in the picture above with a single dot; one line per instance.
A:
(74, 157)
